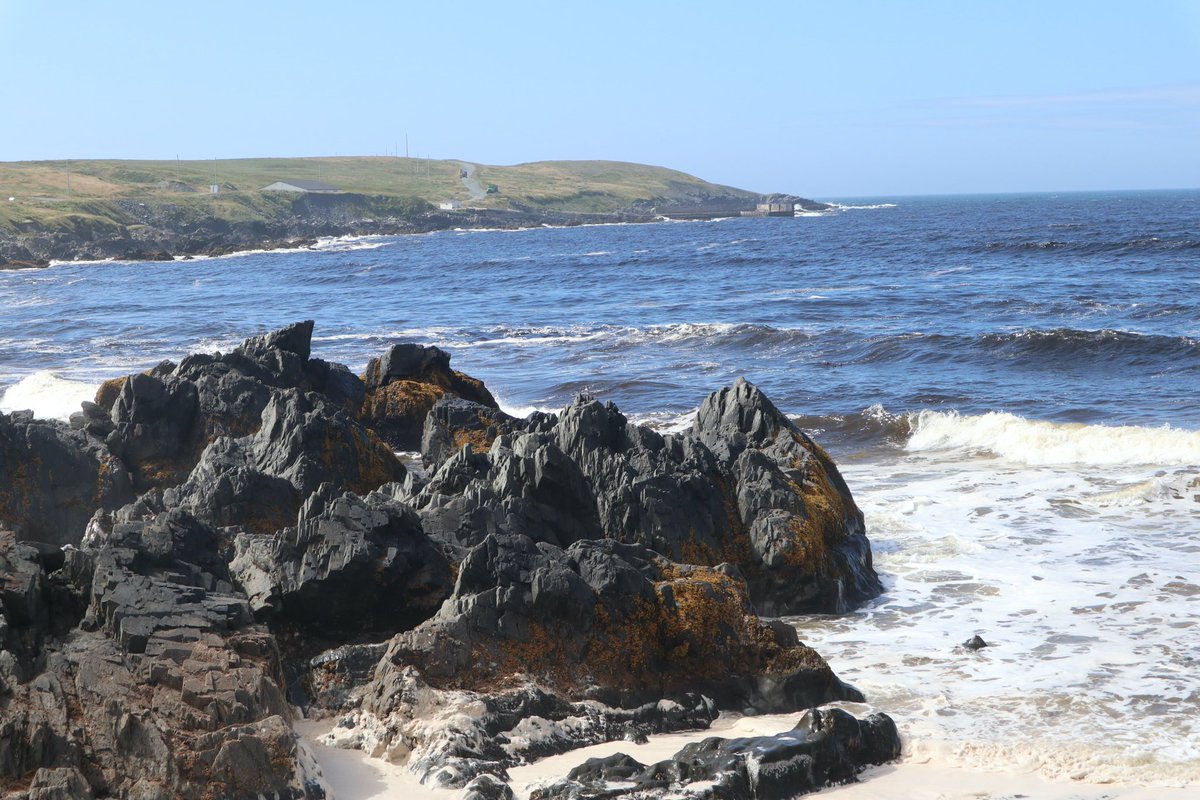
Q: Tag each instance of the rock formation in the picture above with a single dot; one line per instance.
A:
(405, 383)
(825, 748)
(744, 486)
(211, 544)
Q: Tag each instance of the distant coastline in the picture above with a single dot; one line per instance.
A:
(157, 211)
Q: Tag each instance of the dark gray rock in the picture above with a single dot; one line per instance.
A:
(406, 362)
(523, 484)
(744, 486)
(605, 621)
(454, 423)
(161, 422)
(826, 747)
(295, 338)
(350, 565)
(60, 783)
(487, 787)
(52, 479)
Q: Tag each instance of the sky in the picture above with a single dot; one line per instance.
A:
(822, 99)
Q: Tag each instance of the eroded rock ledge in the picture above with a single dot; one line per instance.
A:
(212, 544)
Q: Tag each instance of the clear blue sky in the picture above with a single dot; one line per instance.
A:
(823, 99)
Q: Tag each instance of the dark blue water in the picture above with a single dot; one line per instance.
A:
(1074, 307)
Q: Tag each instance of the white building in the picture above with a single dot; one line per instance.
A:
(450, 205)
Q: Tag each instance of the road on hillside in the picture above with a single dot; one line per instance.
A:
(472, 183)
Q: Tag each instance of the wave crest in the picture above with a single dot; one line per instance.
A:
(1034, 442)
(47, 395)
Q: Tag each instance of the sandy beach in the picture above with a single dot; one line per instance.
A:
(353, 775)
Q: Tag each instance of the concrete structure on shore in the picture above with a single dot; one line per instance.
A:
(303, 187)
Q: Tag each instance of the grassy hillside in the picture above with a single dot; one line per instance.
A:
(61, 195)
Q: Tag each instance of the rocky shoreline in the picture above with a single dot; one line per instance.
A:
(215, 547)
(162, 231)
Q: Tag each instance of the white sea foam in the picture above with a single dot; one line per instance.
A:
(47, 395)
(1074, 564)
(867, 207)
(522, 411)
(1031, 442)
(666, 421)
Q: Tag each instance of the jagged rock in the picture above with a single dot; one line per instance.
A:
(405, 383)
(258, 482)
(450, 737)
(743, 486)
(809, 549)
(523, 484)
(607, 587)
(61, 783)
(826, 747)
(162, 421)
(454, 423)
(349, 565)
(614, 621)
(611, 624)
(52, 479)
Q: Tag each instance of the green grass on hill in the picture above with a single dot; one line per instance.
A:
(65, 195)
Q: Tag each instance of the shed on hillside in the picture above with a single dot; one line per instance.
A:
(309, 187)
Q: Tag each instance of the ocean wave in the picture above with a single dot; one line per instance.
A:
(867, 207)
(1071, 342)
(618, 336)
(1039, 443)
(873, 425)
(1091, 246)
(47, 395)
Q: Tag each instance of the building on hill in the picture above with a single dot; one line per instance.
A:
(450, 205)
(305, 187)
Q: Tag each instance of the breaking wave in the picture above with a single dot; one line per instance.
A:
(1034, 442)
(47, 395)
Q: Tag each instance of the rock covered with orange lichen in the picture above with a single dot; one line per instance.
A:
(808, 545)
(601, 628)
(611, 621)
(405, 383)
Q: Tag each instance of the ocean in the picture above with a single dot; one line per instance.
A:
(1010, 385)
